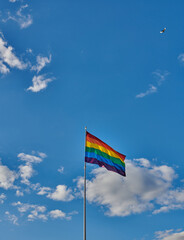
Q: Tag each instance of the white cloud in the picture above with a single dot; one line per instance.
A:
(170, 235)
(24, 20)
(12, 1)
(143, 162)
(26, 172)
(152, 89)
(57, 214)
(165, 209)
(39, 83)
(7, 177)
(2, 198)
(19, 193)
(35, 186)
(35, 211)
(42, 155)
(61, 169)
(8, 57)
(8, 60)
(171, 200)
(41, 63)
(61, 194)
(12, 218)
(136, 193)
(162, 234)
(30, 158)
(3, 68)
(24, 207)
(44, 190)
(34, 215)
(164, 172)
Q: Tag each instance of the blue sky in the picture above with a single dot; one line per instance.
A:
(65, 65)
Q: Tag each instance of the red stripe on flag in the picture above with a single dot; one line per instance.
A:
(91, 138)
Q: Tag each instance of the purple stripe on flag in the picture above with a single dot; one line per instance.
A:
(107, 166)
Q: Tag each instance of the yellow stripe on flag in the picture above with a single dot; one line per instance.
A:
(105, 150)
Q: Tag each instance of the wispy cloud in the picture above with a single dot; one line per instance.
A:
(8, 60)
(40, 82)
(23, 19)
(44, 190)
(41, 63)
(171, 200)
(8, 57)
(35, 211)
(152, 89)
(160, 78)
(2, 198)
(170, 235)
(12, 218)
(61, 169)
(39, 212)
(19, 193)
(3, 68)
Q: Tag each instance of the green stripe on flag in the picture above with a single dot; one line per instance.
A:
(105, 155)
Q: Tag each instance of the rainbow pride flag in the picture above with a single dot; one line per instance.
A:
(98, 152)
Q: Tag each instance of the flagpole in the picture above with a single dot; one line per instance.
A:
(85, 191)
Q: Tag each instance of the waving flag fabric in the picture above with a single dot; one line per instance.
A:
(98, 152)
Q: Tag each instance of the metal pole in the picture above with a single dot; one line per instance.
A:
(85, 191)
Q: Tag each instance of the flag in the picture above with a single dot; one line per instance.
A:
(98, 152)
